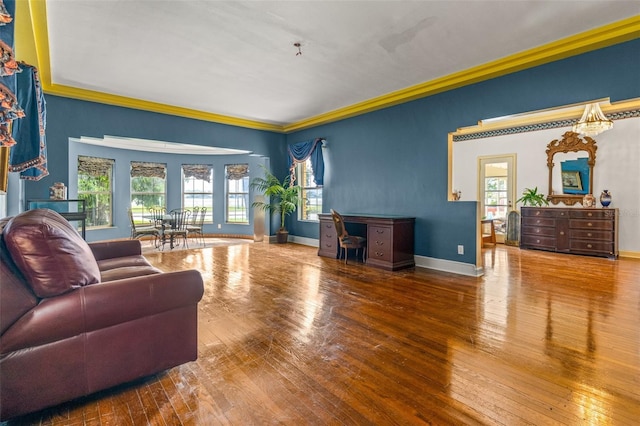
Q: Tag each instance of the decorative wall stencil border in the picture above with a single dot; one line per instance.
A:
(539, 126)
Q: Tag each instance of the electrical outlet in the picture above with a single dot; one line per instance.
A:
(460, 249)
(219, 226)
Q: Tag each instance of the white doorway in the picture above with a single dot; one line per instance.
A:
(496, 191)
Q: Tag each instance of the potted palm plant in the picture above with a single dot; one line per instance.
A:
(283, 199)
(531, 197)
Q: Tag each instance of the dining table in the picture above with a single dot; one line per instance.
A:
(164, 220)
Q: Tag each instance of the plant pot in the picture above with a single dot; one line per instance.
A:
(282, 236)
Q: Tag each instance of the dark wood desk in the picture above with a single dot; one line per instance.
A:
(389, 239)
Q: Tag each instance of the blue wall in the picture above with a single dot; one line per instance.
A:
(122, 194)
(389, 161)
(395, 160)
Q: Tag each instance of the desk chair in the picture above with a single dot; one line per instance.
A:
(347, 241)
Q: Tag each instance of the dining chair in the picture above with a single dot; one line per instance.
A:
(138, 231)
(347, 241)
(197, 223)
(177, 227)
(158, 213)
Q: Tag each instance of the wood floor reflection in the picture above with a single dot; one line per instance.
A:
(287, 337)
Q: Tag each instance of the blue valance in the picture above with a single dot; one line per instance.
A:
(301, 151)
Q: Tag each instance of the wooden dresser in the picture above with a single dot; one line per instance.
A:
(389, 239)
(570, 230)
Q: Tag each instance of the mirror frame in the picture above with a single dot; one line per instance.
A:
(570, 142)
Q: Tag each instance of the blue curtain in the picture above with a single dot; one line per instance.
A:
(29, 155)
(301, 151)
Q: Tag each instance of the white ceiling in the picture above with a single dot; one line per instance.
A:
(237, 58)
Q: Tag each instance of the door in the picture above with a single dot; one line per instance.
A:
(496, 191)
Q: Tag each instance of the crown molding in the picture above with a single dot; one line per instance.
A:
(33, 43)
(618, 32)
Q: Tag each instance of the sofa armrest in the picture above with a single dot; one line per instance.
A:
(124, 300)
(110, 249)
(103, 305)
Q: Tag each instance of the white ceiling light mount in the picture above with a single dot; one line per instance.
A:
(593, 121)
(298, 45)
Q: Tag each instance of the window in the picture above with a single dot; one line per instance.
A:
(495, 197)
(310, 193)
(237, 177)
(148, 187)
(95, 187)
(197, 188)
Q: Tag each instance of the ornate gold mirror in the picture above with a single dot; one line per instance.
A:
(570, 185)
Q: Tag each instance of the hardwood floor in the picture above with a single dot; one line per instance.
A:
(287, 337)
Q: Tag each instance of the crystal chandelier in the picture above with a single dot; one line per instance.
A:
(593, 121)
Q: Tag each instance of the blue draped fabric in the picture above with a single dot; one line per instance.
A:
(29, 155)
(301, 151)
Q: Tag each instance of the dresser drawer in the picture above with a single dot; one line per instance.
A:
(379, 243)
(538, 221)
(591, 214)
(535, 241)
(591, 224)
(539, 230)
(584, 234)
(592, 246)
(533, 212)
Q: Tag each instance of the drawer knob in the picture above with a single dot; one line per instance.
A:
(537, 231)
(589, 224)
(379, 242)
(589, 234)
(589, 246)
(561, 232)
(589, 214)
(562, 214)
(380, 231)
(537, 241)
(379, 254)
(538, 221)
(328, 245)
(538, 213)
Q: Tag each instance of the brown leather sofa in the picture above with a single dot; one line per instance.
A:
(76, 318)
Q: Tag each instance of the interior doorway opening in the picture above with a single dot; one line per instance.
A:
(496, 187)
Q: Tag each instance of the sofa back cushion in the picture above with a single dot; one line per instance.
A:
(16, 297)
(50, 253)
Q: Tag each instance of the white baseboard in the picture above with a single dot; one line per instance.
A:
(448, 266)
(312, 242)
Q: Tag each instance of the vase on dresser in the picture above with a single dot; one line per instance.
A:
(588, 201)
(605, 198)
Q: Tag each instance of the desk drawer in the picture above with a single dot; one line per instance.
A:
(379, 243)
(328, 244)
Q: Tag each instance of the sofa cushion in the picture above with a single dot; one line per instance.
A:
(15, 298)
(128, 272)
(50, 253)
